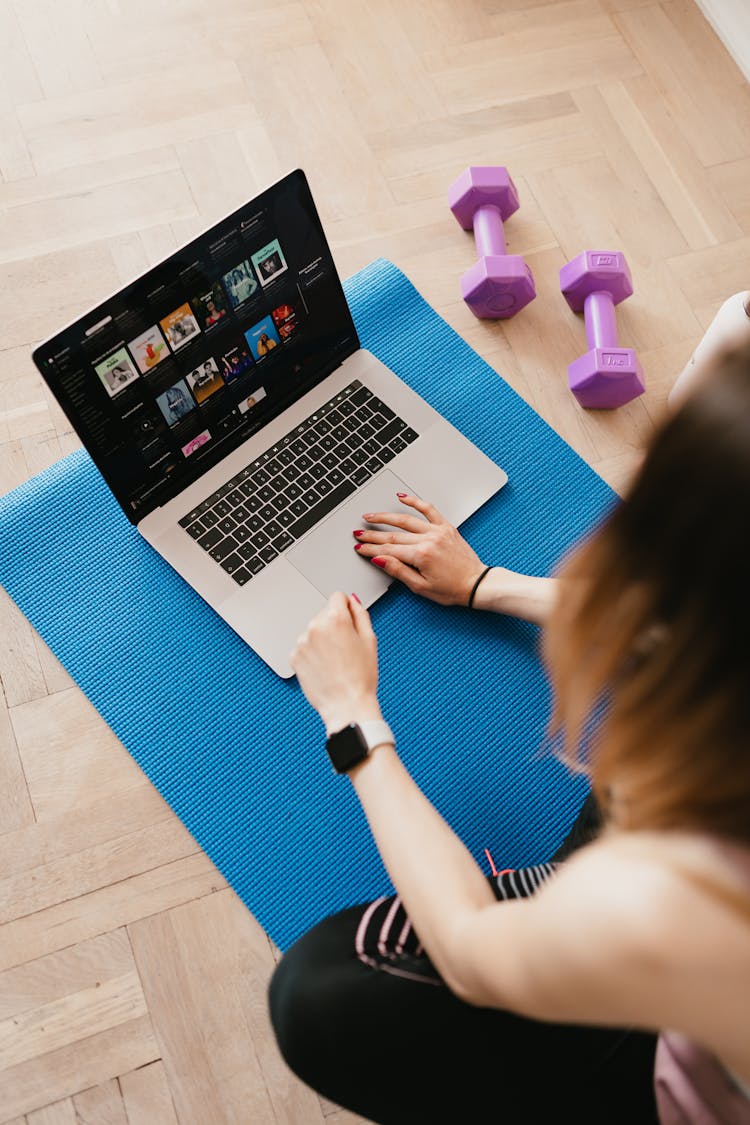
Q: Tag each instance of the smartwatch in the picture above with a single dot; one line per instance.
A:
(352, 744)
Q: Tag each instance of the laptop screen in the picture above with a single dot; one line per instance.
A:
(172, 373)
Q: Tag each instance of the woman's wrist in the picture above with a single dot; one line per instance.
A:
(344, 712)
(517, 595)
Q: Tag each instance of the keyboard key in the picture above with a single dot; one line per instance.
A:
(315, 452)
(372, 447)
(246, 550)
(293, 491)
(260, 477)
(409, 435)
(223, 549)
(327, 443)
(335, 417)
(361, 475)
(267, 513)
(310, 497)
(378, 421)
(286, 456)
(242, 576)
(260, 539)
(322, 428)
(317, 472)
(309, 438)
(196, 529)
(209, 518)
(268, 554)
(305, 480)
(299, 507)
(236, 497)
(240, 513)
(324, 486)
(232, 563)
(303, 463)
(321, 509)
(346, 408)
(272, 529)
(252, 503)
(248, 488)
(387, 454)
(373, 464)
(274, 466)
(255, 564)
(335, 476)
(291, 473)
(351, 424)
(347, 466)
(331, 460)
(365, 431)
(360, 397)
(210, 539)
(359, 456)
(226, 525)
(298, 448)
(279, 502)
(278, 484)
(241, 533)
(282, 542)
(365, 414)
(339, 433)
(222, 509)
(190, 517)
(285, 518)
(266, 493)
(380, 408)
(391, 430)
(398, 444)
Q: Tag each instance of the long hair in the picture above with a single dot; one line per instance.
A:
(651, 628)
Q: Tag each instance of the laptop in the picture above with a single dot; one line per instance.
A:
(226, 400)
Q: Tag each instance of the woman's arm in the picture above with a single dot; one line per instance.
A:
(428, 555)
(555, 956)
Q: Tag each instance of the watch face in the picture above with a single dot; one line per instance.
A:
(346, 747)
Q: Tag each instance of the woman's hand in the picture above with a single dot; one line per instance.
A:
(428, 555)
(336, 662)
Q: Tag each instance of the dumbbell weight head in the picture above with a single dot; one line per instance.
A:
(607, 375)
(498, 285)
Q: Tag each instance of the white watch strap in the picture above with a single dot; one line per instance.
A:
(376, 732)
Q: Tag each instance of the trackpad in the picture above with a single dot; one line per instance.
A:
(327, 556)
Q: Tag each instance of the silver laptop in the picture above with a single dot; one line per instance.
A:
(226, 400)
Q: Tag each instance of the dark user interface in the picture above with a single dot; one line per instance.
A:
(170, 375)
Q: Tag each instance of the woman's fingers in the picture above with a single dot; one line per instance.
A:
(364, 535)
(410, 577)
(429, 511)
(396, 519)
(401, 551)
(360, 617)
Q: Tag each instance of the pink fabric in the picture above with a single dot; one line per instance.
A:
(692, 1087)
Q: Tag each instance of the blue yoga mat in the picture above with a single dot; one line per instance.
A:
(237, 752)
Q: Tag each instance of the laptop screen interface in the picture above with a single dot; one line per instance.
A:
(175, 371)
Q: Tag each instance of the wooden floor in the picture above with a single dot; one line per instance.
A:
(132, 981)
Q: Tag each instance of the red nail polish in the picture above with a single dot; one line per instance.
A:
(357, 546)
(379, 562)
(402, 494)
(358, 531)
(356, 599)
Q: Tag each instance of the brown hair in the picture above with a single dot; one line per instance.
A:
(651, 630)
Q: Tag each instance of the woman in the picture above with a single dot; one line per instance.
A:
(618, 988)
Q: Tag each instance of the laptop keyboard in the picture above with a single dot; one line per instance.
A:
(276, 499)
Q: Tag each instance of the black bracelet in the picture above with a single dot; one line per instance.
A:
(475, 587)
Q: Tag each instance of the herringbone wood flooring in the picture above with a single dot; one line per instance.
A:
(131, 980)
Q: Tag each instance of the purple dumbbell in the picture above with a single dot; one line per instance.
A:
(607, 375)
(499, 284)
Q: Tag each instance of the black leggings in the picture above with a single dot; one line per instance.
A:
(397, 1046)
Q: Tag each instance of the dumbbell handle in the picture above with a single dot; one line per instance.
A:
(601, 323)
(488, 231)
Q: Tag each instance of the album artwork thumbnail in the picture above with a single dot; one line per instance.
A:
(175, 403)
(262, 338)
(285, 319)
(196, 442)
(252, 400)
(148, 349)
(269, 262)
(116, 372)
(235, 361)
(211, 307)
(205, 380)
(240, 283)
(180, 326)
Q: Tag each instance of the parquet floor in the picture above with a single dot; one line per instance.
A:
(132, 982)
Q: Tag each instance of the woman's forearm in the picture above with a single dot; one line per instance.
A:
(517, 595)
(438, 880)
